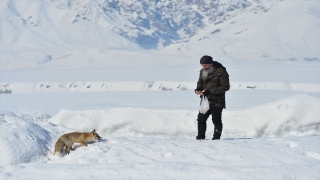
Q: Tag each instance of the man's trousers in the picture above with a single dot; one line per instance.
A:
(216, 113)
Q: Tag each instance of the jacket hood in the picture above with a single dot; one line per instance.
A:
(217, 64)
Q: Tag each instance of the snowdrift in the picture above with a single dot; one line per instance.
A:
(294, 116)
(26, 138)
(130, 121)
(21, 139)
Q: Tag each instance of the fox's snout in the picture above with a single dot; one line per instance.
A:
(98, 137)
(95, 135)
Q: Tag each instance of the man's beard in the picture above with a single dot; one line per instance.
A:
(206, 72)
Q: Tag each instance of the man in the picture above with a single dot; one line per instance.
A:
(213, 83)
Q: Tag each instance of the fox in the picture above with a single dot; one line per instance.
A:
(67, 141)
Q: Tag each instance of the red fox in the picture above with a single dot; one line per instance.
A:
(74, 137)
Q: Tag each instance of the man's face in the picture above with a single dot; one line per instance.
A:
(205, 66)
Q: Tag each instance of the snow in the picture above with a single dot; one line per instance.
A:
(22, 137)
(69, 67)
(148, 123)
(138, 86)
(283, 118)
(179, 158)
(143, 139)
(275, 30)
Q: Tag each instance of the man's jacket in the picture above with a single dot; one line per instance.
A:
(218, 83)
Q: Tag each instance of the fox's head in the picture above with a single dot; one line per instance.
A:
(95, 135)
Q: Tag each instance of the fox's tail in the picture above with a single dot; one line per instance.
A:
(59, 147)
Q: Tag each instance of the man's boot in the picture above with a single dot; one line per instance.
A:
(217, 132)
(200, 137)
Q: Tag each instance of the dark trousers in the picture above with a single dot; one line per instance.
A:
(216, 113)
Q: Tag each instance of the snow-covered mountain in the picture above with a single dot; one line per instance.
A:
(36, 32)
(286, 30)
(147, 23)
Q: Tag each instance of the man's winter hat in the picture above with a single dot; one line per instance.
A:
(206, 60)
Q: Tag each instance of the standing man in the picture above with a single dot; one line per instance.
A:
(213, 83)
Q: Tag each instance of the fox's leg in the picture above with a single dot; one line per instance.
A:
(83, 143)
(71, 147)
(68, 148)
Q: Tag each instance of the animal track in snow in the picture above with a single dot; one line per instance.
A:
(291, 144)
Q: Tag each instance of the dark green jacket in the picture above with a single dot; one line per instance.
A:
(218, 83)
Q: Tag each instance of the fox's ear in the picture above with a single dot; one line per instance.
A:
(94, 131)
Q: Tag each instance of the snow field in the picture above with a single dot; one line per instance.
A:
(179, 158)
(148, 124)
(30, 138)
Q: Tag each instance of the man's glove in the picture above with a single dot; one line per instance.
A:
(206, 92)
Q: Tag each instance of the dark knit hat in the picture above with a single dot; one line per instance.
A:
(206, 60)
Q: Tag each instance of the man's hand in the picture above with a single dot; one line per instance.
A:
(198, 92)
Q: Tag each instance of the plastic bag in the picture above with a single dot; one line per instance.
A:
(204, 105)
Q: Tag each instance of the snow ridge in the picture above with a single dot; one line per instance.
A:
(294, 116)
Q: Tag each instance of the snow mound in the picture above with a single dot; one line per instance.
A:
(294, 116)
(130, 121)
(297, 115)
(21, 140)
